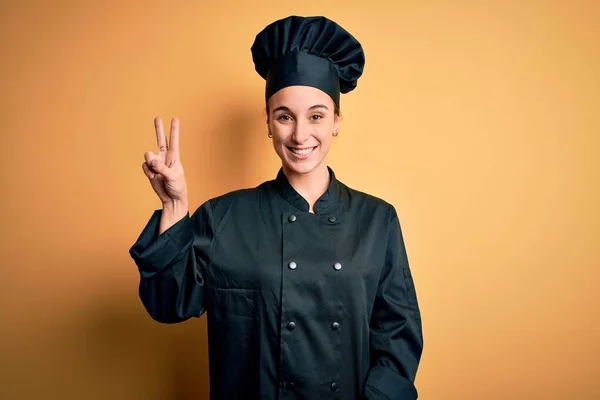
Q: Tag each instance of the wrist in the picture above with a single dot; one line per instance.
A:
(172, 212)
(176, 206)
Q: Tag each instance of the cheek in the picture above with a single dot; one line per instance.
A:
(281, 132)
(325, 135)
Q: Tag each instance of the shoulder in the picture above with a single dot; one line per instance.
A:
(366, 203)
(233, 197)
(239, 200)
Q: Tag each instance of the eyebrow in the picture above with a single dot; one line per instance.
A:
(287, 109)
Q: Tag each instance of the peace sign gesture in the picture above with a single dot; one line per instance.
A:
(164, 170)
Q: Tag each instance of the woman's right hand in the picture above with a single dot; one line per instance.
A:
(165, 173)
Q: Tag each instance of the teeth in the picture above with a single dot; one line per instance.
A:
(303, 152)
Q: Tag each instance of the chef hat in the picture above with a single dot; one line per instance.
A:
(309, 51)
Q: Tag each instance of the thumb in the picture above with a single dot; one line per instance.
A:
(161, 168)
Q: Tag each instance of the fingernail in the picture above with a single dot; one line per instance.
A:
(154, 163)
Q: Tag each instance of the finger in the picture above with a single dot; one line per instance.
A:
(153, 161)
(149, 156)
(148, 171)
(174, 140)
(156, 165)
(155, 182)
(161, 139)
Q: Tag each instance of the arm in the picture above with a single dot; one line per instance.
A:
(396, 337)
(172, 265)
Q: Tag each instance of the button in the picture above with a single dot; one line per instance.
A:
(290, 386)
(292, 218)
(335, 326)
(332, 219)
(291, 326)
(337, 266)
(334, 387)
(292, 265)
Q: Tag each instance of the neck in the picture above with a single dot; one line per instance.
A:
(310, 185)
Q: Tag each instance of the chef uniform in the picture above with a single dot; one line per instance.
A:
(299, 305)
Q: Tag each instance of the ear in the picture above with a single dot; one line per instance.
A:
(336, 122)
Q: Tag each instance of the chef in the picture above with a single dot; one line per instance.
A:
(305, 282)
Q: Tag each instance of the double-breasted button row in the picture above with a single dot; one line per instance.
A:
(335, 326)
(292, 265)
(293, 218)
(292, 325)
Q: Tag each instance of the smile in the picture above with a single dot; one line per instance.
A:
(302, 152)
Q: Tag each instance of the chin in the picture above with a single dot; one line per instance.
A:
(302, 167)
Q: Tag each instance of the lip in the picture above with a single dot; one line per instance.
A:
(301, 156)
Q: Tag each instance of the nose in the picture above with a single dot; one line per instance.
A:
(302, 131)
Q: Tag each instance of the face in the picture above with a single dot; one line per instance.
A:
(302, 120)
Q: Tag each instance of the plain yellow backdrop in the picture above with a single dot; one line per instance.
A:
(478, 120)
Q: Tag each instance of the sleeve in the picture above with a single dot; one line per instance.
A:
(173, 265)
(396, 337)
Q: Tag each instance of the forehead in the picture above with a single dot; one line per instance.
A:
(300, 97)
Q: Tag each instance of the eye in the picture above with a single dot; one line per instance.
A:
(316, 117)
(284, 117)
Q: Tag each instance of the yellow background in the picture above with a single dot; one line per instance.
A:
(478, 120)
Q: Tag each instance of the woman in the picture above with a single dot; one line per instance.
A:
(305, 281)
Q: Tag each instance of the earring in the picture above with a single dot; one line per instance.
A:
(335, 133)
(270, 134)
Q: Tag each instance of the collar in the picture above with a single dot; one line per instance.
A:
(327, 203)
